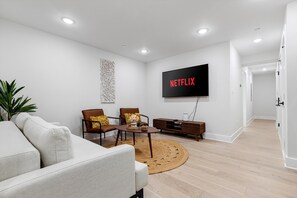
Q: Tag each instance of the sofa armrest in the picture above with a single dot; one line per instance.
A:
(111, 174)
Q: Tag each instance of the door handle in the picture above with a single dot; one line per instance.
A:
(279, 103)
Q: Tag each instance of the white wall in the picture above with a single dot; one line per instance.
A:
(291, 59)
(215, 109)
(264, 95)
(262, 58)
(62, 76)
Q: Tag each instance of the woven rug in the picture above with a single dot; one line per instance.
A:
(168, 154)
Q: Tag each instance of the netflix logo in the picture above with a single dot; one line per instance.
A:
(182, 82)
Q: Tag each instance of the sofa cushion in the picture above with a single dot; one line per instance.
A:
(17, 155)
(53, 142)
(21, 119)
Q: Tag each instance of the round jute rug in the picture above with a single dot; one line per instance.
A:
(168, 154)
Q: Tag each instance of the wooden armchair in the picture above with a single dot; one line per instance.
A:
(88, 123)
(132, 110)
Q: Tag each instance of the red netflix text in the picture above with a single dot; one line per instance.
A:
(182, 82)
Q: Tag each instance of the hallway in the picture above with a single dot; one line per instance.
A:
(252, 166)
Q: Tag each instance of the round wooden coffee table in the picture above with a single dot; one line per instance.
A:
(149, 131)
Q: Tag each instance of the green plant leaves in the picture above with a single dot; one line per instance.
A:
(10, 104)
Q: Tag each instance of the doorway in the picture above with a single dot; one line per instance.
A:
(259, 92)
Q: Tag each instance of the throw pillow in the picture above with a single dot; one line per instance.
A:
(21, 119)
(103, 119)
(129, 115)
(53, 142)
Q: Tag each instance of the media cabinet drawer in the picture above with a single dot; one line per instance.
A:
(198, 127)
(159, 124)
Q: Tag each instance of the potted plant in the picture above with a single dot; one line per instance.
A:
(10, 103)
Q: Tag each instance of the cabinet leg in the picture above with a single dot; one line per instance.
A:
(201, 136)
(197, 138)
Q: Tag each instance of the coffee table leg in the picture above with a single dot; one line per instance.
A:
(150, 142)
(118, 135)
(133, 138)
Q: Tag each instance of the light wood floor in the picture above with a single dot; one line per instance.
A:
(252, 166)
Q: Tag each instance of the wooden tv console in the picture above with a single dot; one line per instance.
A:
(182, 127)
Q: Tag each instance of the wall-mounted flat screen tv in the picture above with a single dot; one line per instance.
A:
(190, 81)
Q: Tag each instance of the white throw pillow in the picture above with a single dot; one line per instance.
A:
(20, 120)
(53, 142)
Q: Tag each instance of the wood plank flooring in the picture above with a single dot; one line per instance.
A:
(252, 166)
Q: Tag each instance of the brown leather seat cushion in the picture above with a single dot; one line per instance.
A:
(103, 129)
(108, 128)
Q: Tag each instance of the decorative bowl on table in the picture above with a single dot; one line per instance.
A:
(144, 128)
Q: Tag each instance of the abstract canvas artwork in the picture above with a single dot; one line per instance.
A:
(107, 85)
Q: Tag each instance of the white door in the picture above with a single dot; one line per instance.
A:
(281, 95)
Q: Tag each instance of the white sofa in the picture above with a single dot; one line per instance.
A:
(67, 166)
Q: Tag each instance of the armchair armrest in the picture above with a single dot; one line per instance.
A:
(148, 119)
(116, 118)
(113, 117)
(110, 174)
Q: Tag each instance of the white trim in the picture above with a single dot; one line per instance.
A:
(249, 121)
(223, 138)
(291, 163)
(217, 137)
(282, 147)
(264, 117)
(236, 134)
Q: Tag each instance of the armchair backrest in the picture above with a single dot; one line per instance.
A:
(91, 112)
(126, 110)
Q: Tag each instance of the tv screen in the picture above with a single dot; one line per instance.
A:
(191, 81)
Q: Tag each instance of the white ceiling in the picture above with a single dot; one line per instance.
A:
(165, 27)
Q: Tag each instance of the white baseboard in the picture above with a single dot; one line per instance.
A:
(223, 138)
(264, 117)
(291, 163)
(249, 121)
(236, 134)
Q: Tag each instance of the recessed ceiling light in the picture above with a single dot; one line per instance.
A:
(67, 21)
(144, 51)
(257, 40)
(202, 31)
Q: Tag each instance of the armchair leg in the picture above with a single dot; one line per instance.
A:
(83, 130)
(100, 139)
